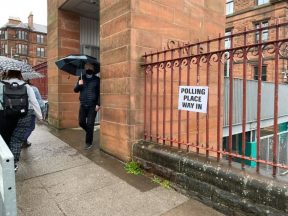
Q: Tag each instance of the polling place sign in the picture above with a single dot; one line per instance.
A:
(193, 98)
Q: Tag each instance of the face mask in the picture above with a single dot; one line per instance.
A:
(89, 75)
(89, 72)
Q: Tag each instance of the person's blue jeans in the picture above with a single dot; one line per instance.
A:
(87, 115)
(31, 127)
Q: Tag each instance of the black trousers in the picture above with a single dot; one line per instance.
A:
(87, 115)
(7, 126)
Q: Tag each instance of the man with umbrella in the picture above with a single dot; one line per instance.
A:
(89, 87)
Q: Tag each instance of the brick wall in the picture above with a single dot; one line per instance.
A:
(63, 102)
(250, 15)
(128, 30)
(243, 4)
(41, 83)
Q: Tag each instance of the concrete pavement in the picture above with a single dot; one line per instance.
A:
(57, 177)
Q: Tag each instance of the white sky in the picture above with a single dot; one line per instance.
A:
(22, 9)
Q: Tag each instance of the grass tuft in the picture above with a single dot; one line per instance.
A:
(133, 167)
(162, 182)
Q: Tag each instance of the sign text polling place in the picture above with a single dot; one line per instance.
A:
(193, 98)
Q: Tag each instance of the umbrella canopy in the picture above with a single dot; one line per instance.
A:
(32, 75)
(7, 64)
(74, 64)
(27, 71)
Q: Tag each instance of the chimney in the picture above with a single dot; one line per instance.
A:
(14, 20)
(30, 20)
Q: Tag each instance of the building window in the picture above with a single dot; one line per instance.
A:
(90, 50)
(227, 46)
(40, 39)
(3, 34)
(22, 35)
(264, 73)
(22, 49)
(40, 52)
(229, 7)
(265, 33)
(4, 49)
(261, 2)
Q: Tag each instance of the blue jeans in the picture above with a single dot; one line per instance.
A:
(87, 115)
(31, 127)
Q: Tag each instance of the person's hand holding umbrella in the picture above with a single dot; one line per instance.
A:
(88, 67)
(80, 82)
(97, 108)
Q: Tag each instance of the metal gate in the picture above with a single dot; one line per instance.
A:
(258, 54)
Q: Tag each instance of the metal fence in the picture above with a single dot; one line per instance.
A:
(260, 54)
(266, 153)
(8, 205)
(267, 111)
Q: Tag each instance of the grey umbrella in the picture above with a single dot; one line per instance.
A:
(32, 75)
(28, 72)
(13, 64)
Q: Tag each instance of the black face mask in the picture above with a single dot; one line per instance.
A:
(89, 72)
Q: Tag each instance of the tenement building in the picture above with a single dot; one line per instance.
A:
(24, 41)
(247, 15)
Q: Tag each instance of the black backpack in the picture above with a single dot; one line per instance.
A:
(15, 99)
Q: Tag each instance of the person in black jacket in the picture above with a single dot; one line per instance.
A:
(89, 88)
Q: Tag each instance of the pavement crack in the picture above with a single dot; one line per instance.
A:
(62, 211)
(45, 174)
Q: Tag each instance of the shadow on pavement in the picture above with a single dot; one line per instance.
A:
(76, 139)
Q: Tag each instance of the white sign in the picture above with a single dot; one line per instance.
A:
(193, 98)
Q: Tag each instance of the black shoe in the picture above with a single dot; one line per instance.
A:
(26, 144)
(88, 146)
(15, 167)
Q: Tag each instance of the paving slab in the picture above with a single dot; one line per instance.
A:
(57, 177)
(32, 195)
(192, 208)
(77, 181)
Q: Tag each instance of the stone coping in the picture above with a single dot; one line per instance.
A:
(226, 188)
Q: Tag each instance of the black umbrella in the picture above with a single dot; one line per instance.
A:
(74, 64)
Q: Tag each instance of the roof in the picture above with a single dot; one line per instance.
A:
(36, 27)
(39, 28)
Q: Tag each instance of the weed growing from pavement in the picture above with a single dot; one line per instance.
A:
(133, 167)
(164, 183)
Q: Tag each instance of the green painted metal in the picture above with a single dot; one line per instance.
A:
(282, 127)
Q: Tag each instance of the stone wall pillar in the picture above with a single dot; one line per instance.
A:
(129, 28)
(63, 39)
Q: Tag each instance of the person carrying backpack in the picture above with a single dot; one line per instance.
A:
(18, 104)
(40, 101)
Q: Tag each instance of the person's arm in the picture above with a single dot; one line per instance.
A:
(38, 97)
(79, 85)
(33, 101)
